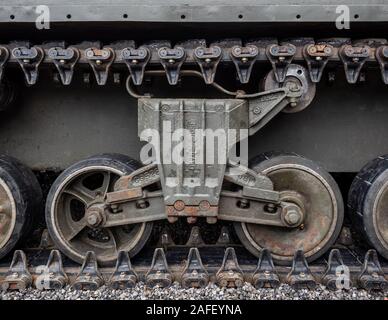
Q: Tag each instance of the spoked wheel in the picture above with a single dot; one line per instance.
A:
(20, 199)
(368, 203)
(75, 190)
(304, 182)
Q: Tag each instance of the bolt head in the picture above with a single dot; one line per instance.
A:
(292, 217)
(256, 110)
(312, 50)
(141, 204)
(94, 217)
(204, 205)
(179, 205)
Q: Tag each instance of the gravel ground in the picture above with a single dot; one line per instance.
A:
(211, 292)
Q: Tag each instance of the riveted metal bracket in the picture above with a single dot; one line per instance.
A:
(29, 60)
(317, 56)
(269, 103)
(18, 277)
(382, 58)
(89, 277)
(172, 60)
(230, 274)
(100, 60)
(372, 276)
(159, 274)
(244, 59)
(280, 57)
(123, 276)
(353, 58)
(265, 275)
(4, 56)
(337, 275)
(300, 276)
(64, 60)
(208, 59)
(136, 61)
(53, 276)
(194, 274)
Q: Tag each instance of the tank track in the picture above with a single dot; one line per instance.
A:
(194, 265)
(103, 59)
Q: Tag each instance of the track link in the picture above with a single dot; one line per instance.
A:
(229, 266)
(101, 58)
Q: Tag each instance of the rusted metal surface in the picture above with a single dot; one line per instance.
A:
(192, 211)
(307, 181)
(194, 274)
(300, 276)
(17, 277)
(89, 277)
(336, 273)
(372, 276)
(124, 195)
(53, 276)
(265, 275)
(230, 274)
(317, 56)
(123, 276)
(159, 273)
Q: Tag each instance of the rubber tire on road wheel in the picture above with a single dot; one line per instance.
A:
(366, 192)
(27, 197)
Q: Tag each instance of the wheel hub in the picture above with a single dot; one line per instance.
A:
(313, 211)
(293, 215)
(95, 215)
